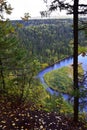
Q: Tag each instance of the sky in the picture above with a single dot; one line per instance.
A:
(33, 7)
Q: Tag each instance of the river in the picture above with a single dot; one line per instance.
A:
(60, 64)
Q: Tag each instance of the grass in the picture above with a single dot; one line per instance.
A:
(62, 79)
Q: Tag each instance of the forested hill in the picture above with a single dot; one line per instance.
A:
(24, 51)
(49, 40)
(42, 21)
(35, 22)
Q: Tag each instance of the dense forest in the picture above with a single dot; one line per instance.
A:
(49, 40)
(43, 67)
(28, 47)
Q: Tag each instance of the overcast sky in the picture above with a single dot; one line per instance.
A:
(33, 7)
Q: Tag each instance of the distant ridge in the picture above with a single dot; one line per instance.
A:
(40, 21)
(36, 22)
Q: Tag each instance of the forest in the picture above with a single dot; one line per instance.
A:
(50, 40)
(43, 69)
(26, 48)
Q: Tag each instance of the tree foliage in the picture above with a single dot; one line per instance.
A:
(17, 71)
(49, 40)
(74, 8)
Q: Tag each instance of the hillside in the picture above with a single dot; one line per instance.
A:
(37, 22)
(49, 40)
(22, 118)
(24, 52)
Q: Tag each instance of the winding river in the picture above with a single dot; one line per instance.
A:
(62, 63)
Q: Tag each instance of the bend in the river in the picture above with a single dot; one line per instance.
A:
(60, 64)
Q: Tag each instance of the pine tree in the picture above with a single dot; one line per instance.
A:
(74, 8)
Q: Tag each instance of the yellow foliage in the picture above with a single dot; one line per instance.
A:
(44, 65)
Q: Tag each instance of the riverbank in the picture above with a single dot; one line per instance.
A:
(61, 80)
(64, 62)
(57, 62)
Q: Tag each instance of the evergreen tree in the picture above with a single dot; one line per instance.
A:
(73, 8)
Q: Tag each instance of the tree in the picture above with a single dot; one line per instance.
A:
(26, 17)
(5, 43)
(11, 52)
(73, 8)
(4, 8)
(75, 61)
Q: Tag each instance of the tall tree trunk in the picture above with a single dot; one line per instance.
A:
(75, 62)
(2, 75)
